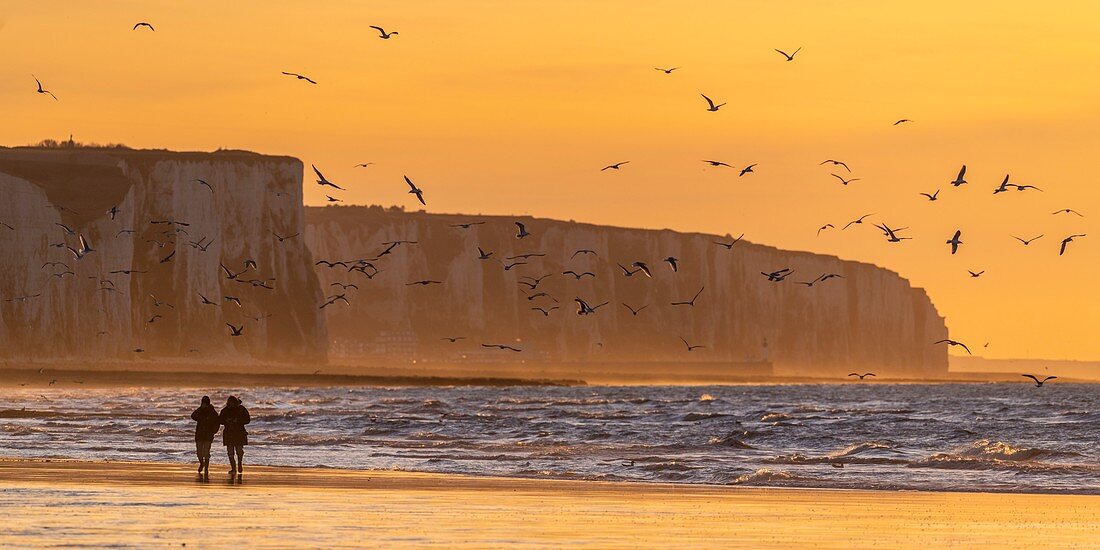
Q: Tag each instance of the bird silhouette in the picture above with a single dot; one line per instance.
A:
(615, 166)
(383, 34)
(415, 190)
(1038, 383)
(790, 56)
(1066, 241)
(301, 77)
(691, 302)
(961, 178)
(861, 376)
(710, 104)
(951, 342)
(144, 24)
(42, 90)
(689, 346)
(955, 241)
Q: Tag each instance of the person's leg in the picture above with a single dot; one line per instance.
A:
(240, 458)
(198, 451)
(206, 457)
(232, 460)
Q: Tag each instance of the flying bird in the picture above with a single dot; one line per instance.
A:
(85, 248)
(332, 199)
(615, 166)
(584, 309)
(281, 238)
(424, 282)
(950, 342)
(235, 331)
(666, 71)
(975, 275)
(689, 346)
(673, 262)
(844, 181)
(545, 312)
(729, 245)
(633, 311)
(42, 90)
(1038, 383)
(690, 302)
(415, 190)
(856, 221)
(824, 227)
(521, 230)
(1068, 211)
(453, 339)
(961, 178)
(901, 121)
(383, 34)
(717, 163)
(891, 234)
(501, 347)
(578, 276)
(363, 164)
(934, 196)
(790, 56)
(778, 275)
(746, 170)
(583, 251)
(203, 182)
(144, 24)
(466, 225)
(1066, 241)
(835, 163)
(322, 181)
(954, 241)
(1026, 241)
(483, 255)
(861, 376)
(301, 77)
(710, 104)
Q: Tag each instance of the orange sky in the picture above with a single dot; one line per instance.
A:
(513, 106)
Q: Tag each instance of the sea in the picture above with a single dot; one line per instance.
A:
(929, 437)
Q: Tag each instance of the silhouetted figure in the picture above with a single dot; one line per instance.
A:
(234, 416)
(206, 427)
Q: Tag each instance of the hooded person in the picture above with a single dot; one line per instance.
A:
(234, 417)
(207, 424)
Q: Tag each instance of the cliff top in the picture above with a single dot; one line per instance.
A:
(70, 150)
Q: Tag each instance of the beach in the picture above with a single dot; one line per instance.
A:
(162, 505)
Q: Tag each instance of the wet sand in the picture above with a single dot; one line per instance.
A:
(153, 504)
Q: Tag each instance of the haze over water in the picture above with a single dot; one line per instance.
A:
(965, 437)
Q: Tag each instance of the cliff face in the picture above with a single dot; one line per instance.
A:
(78, 309)
(870, 319)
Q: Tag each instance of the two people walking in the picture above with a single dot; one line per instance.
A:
(209, 420)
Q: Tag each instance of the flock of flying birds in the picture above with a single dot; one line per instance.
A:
(249, 277)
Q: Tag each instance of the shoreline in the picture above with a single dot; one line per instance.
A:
(210, 375)
(95, 503)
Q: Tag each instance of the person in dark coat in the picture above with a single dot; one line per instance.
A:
(207, 424)
(234, 417)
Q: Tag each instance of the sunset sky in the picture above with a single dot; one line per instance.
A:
(512, 107)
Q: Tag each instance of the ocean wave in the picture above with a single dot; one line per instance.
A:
(693, 417)
(24, 413)
(765, 476)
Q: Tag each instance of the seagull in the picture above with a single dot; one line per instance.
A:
(934, 196)
(690, 302)
(1003, 187)
(144, 24)
(1026, 241)
(862, 376)
(154, 318)
(332, 198)
(208, 186)
(778, 276)
(68, 230)
(975, 275)
(583, 251)
(901, 121)
(345, 286)
(545, 312)
(363, 164)
(335, 298)
(158, 303)
(857, 221)
(689, 346)
(382, 32)
(281, 239)
(710, 104)
(1066, 241)
(633, 311)
(522, 230)
(643, 268)
(415, 190)
(1026, 187)
(615, 166)
(424, 282)
(7, 225)
(42, 90)
(672, 262)
(1038, 383)
(824, 227)
(666, 71)
(501, 347)
(953, 343)
(301, 77)
(453, 339)
(717, 163)
(233, 299)
(235, 331)
(584, 309)
(576, 275)
(835, 163)
(466, 225)
(729, 246)
(955, 242)
(960, 179)
(84, 249)
(321, 179)
(206, 301)
(483, 255)
(844, 181)
(790, 56)
(169, 257)
(891, 234)
(508, 267)
(746, 170)
(627, 272)
(1068, 211)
